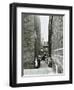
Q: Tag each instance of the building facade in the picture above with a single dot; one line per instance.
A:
(30, 40)
(55, 33)
(56, 42)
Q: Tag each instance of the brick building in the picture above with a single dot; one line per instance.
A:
(55, 33)
(30, 39)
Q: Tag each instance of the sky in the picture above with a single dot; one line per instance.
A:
(44, 27)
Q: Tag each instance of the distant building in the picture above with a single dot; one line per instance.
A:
(45, 47)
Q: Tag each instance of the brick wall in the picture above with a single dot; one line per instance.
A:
(56, 42)
(55, 32)
(30, 38)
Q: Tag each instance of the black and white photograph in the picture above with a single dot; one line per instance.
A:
(40, 44)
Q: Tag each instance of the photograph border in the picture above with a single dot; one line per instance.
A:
(13, 44)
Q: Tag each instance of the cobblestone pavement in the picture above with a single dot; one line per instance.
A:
(43, 70)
